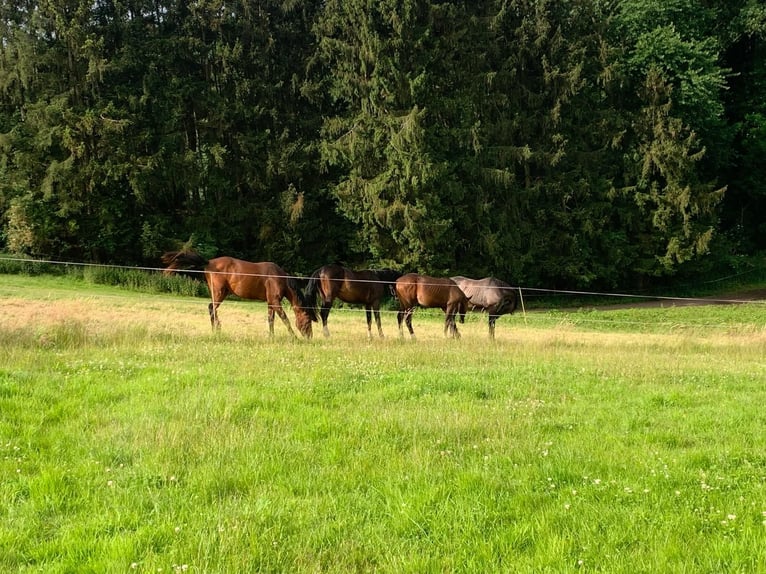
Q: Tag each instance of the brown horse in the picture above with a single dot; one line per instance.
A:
(366, 287)
(261, 281)
(414, 290)
(492, 295)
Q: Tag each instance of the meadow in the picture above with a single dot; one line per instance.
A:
(133, 439)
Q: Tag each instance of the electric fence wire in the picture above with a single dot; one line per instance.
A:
(642, 298)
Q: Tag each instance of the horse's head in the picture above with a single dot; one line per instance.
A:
(170, 260)
(177, 260)
(303, 320)
(305, 314)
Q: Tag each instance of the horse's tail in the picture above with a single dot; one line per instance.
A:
(514, 303)
(307, 303)
(509, 299)
(312, 288)
(182, 260)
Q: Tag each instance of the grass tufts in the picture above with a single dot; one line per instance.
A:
(135, 439)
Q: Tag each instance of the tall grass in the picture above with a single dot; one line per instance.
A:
(133, 439)
(13, 265)
(146, 281)
(141, 280)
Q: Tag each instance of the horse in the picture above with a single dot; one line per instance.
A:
(414, 290)
(264, 281)
(492, 295)
(365, 287)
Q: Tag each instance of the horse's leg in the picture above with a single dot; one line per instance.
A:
(282, 315)
(455, 332)
(399, 317)
(408, 320)
(492, 319)
(218, 295)
(376, 311)
(271, 321)
(453, 328)
(450, 323)
(493, 311)
(368, 313)
(324, 313)
(212, 310)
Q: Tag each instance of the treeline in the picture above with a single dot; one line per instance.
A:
(552, 142)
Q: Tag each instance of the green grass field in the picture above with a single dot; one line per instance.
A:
(132, 439)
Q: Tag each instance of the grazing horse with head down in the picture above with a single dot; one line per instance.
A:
(366, 287)
(415, 290)
(264, 281)
(492, 295)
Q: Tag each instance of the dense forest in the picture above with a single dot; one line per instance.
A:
(564, 143)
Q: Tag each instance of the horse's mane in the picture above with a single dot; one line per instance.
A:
(387, 275)
(182, 260)
(295, 285)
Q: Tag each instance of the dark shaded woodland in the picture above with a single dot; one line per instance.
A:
(560, 143)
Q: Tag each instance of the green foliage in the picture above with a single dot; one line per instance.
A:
(393, 187)
(691, 67)
(666, 191)
(746, 54)
(573, 143)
